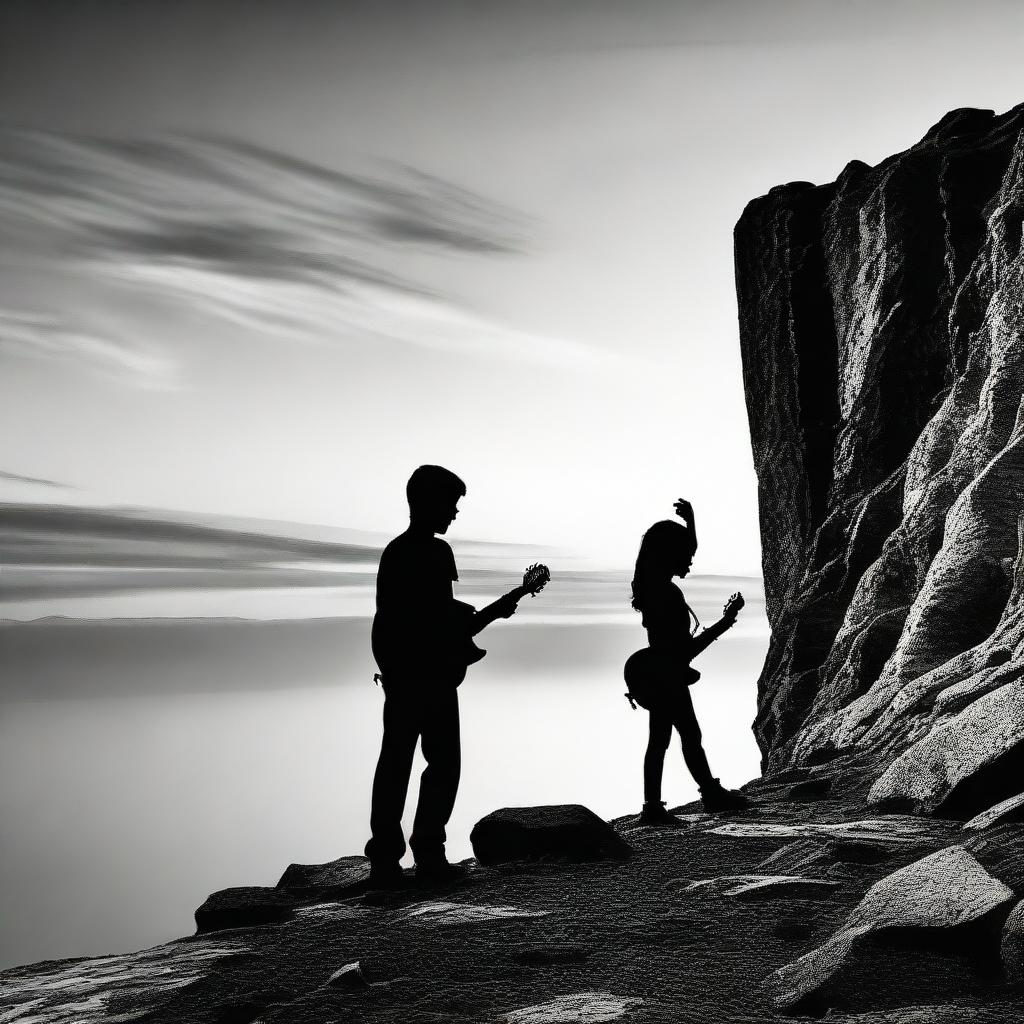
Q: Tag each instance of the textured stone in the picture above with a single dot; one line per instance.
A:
(568, 831)
(1012, 945)
(581, 1008)
(764, 887)
(1000, 850)
(897, 830)
(442, 913)
(350, 976)
(85, 991)
(883, 368)
(243, 907)
(937, 1014)
(1009, 810)
(346, 874)
(951, 768)
(942, 893)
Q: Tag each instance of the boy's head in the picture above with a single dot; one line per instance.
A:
(433, 494)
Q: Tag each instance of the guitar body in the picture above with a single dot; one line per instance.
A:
(444, 649)
(650, 677)
(465, 649)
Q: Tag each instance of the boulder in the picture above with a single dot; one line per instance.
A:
(957, 766)
(1009, 810)
(343, 876)
(883, 367)
(939, 896)
(243, 907)
(565, 832)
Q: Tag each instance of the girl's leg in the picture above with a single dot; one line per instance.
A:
(685, 721)
(654, 760)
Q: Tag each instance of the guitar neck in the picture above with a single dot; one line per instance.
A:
(486, 615)
(516, 593)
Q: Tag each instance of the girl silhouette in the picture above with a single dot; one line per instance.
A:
(658, 675)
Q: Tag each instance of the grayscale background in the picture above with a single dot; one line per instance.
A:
(258, 260)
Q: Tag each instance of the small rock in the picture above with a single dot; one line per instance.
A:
(765, 887)
(938, 894)
(437, 913)
(581, 1008)
(349, 977)
(568, 831)
(1011, 810)
(242, 907)
(345, 873)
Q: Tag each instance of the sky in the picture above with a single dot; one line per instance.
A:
(262, 259)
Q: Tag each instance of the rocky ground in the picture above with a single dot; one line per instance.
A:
(803, 905)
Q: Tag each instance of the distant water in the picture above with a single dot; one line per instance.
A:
(145, 764)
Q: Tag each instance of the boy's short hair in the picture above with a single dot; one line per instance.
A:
(433, 483)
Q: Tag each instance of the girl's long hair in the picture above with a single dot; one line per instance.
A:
(665, 544)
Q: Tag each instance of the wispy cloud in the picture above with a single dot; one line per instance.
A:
(20, 478)
(42, 336)
(258, 238)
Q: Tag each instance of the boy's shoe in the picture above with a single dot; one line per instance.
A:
(387, 876)
(655, 814)
(715, 797)
(440, 872)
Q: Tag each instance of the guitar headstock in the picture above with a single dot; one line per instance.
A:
(536, 578)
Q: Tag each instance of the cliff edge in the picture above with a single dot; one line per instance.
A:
(881, 335)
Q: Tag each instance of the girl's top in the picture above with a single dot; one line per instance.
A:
(671, 624)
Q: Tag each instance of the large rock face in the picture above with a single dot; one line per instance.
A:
(881, 328)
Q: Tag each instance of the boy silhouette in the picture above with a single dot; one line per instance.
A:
(422, 643)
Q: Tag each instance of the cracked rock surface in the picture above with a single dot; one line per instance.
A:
(688, 929)
(881, 332)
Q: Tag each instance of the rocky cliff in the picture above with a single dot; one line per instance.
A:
(883, 351)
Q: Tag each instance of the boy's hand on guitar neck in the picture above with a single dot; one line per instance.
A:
(505, 607)
(535, 579)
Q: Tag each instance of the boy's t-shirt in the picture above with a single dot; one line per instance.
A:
(413, 631)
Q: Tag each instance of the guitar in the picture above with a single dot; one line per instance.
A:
(470, 621)
(442, 646)
(535, 579)
(648, 673)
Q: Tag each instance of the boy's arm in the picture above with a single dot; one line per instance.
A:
(503, 608)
